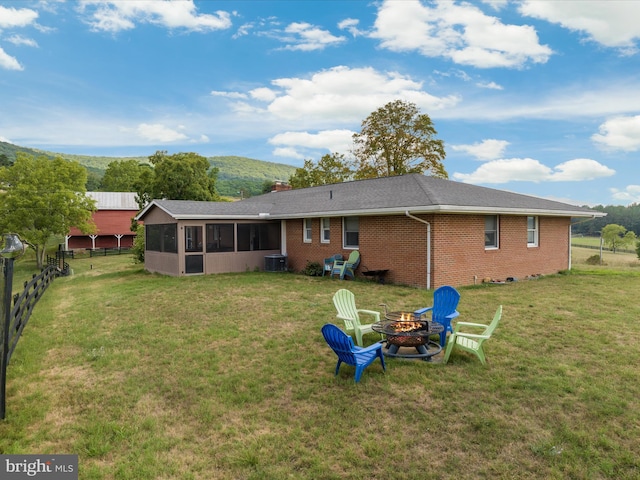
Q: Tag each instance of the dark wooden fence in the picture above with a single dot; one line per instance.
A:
(18, 311)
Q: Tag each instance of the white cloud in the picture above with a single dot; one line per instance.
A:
(580, 169)
(263, 94)
(16, 17)
(306, 37)
(490, 86)
(496, 4)
(346, 95)
(616, 97)
(351, 26)
(288, 152)
(20, 40)
(612, 23)
(331, 140)
(630, 194)
(243, 30)
(114, 16)
(8, 62)
(460, 32)
(486, 150)
(233, 95)
(159, 133)
(621, 133)
(530, 170)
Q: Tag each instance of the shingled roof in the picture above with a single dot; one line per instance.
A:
(412, 193)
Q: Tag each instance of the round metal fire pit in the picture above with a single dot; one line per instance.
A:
(404, 330)
(406, 333)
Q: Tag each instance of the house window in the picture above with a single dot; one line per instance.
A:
(491, 231)
(161, 238)
(258, 236)
(220, 237)
(325, 230)
(308, 231)
(350, 228)
(532, 231)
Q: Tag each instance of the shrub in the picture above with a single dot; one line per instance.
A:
(138, 245)
(312, 269)
(593, 260)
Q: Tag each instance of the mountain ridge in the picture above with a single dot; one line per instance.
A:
(237, 176)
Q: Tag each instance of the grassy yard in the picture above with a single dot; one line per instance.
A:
(227, 377)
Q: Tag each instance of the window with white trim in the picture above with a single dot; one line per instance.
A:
(325, 230)
(307, 231)
(491, 232)
(532, 231)
(351, 230)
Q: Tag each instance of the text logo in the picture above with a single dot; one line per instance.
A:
(49, 467)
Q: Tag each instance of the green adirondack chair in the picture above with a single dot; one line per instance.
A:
(346, 267)
(472, 342)
(345, 304)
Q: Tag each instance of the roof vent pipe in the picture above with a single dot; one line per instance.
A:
(330, 194)
(428, 246)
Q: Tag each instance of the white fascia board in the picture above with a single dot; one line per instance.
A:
(222, 217)
(452, 209)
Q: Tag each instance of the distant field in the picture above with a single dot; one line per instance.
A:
(586, 241)
(618, 260)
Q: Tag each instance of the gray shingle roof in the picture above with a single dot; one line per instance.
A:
(388, 195)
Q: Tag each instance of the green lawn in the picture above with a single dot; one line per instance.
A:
(228, 377)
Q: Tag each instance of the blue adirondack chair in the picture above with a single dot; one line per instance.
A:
(328, 263)
(346, 268)
(443, 310)
(347, 352)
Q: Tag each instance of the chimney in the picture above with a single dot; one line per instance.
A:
(279, 186)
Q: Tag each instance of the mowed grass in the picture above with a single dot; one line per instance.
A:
(228, 377)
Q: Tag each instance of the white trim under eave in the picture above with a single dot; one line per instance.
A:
(451, 209)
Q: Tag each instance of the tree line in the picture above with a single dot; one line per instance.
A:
(628, 217)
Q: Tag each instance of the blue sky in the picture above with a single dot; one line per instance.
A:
(536, 97)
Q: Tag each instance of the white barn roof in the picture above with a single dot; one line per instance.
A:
(114, 200)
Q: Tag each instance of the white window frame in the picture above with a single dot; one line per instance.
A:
(325, 230)
(345, 232)
(307, 230)
(533, 234)
(496, 244)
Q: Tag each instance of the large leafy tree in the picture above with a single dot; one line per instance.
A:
(331, 168)
(41, 198)
(616, 236)
(122, 176)
(397, 139)
(181, 176)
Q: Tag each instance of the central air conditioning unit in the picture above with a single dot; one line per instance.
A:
(275, 263)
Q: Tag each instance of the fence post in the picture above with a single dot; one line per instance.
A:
(6, 320)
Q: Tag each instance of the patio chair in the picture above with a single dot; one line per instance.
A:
(345, 304)
(472, 342)
(328, 263)
(346, 268)
(445, 302)
(347, 352)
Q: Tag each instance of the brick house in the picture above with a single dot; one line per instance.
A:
(113, 221)
(425, 231)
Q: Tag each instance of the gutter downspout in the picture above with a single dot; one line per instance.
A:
(428, 246)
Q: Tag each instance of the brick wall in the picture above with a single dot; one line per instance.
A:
(458, 255)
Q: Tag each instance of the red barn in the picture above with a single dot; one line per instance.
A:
(113, 221)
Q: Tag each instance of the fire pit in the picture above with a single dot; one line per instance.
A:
(404, 329)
